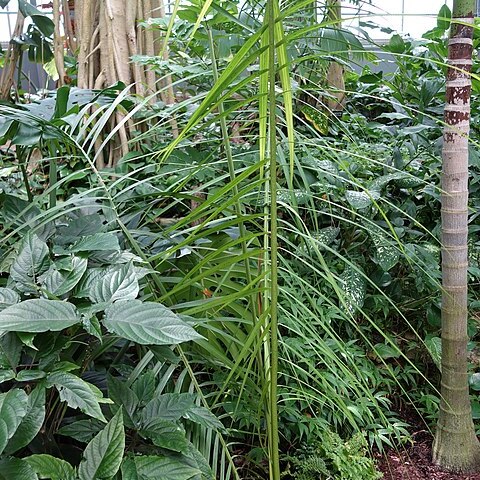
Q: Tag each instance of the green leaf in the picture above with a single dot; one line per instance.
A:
(474, 382)
(92, 326)
(58, 282)
(46, 466)
(359, 200)
(31, 261)
(42, 22)
(396, 44)
(83, 430)
(444, 17)
(123, 396)
(354, 287)
(38, 315)
(434, 347)
(76, 393)
(6, 375)
(165, 468)
(129, 469)
(8, 297)
(168, 435)
(147, 323)
(387, 254)
(29, 375)
(10, 350)
(13, 407)
(386, 351)
(144, 386)
(117, 283)
(103, 455)
(95, 242)
(31, 423)
(169, 406)
(80, 227)
(16, 469)
(204, 417)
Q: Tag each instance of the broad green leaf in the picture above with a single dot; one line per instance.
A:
(387, 254)
(31, 423)
(204, 417)
(32, 260)
(381, 182)
(58, 282)
(165, 468)
(147, 323)
(25, 215)
(83, 430)
(386, 351)
(474, 382)
(27, 339)
(144, 386)
(354, 287)
(444, 17)
(13, 407)
(10, 351)
(38, 315)
(320, 239)
(96, 242)
(117, 283)
(8, 297)
(359, 200)
(16, 469)
(129, 469)
(48, 467)
(297, 196)
(166, 434)
(29, 375)
(85, 285)
(80, 227)
(76, 393)
(169, 406)
(123, 396)
(103, 455)
(6, 375)
(92, 326)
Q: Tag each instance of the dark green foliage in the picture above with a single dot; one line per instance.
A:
(329, 457)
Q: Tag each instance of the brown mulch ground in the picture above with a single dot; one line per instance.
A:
(415, 463)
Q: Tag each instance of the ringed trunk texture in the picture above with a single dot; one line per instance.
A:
(456, 447)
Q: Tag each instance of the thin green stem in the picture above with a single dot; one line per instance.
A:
(273, 413)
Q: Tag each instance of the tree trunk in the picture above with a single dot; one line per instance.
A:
(335, 78)
(58, 44)
(107, 35)
(456, 447)
(11, 58)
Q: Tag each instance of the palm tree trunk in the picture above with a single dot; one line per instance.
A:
(456, 447)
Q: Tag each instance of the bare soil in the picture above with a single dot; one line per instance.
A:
(415, 463)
